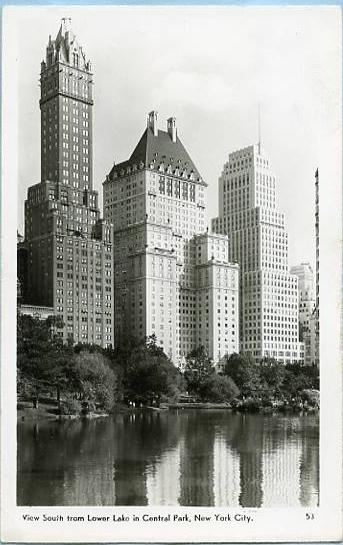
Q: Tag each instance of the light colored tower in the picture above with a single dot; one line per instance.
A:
(306, 307)
(169, 272)
(258, 242)
(69, 247)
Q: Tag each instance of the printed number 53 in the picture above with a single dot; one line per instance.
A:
(309, 516)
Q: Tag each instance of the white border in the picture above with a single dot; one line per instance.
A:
(268, 524)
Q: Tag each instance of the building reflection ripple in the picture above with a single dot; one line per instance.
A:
(190, 458)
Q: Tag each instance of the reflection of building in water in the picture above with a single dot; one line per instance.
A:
(91, 483)
(70, 463)
(163, 481)
(290, 463)
(130, 481)
(281, 475)
(143, 440)
(201, 459)
(196, 463)
(309, 467)
(248, 444)
(251, 479)
(226, 474)
(130, 465)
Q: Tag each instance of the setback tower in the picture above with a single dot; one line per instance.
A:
(258, 242)
(70, 249)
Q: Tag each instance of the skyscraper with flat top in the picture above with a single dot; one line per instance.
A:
(70, 249)
(258, 242)
(172, 277)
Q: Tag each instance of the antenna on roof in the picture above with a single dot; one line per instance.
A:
(259, 128)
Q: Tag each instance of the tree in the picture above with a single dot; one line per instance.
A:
(94, 380)
(43, 362)
(198, 368)
(245, 374)
(300, 377)
(272, 374)
(218, 388)
(146, 372)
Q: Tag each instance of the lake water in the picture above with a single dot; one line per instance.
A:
(187, 457)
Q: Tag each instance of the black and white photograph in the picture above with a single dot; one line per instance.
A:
(171, 285)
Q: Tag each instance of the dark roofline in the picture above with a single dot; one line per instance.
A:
(159, 150)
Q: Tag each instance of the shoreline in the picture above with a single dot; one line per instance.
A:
(43, 412)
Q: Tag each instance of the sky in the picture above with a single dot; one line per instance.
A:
(210, 67)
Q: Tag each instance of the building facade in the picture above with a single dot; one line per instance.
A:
(258, 242)
(70, 249)
(307, 305)
(169, 271)
(21, 270)
(316, 312)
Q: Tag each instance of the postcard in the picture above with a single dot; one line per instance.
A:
(171, 258)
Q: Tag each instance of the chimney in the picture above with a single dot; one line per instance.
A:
(171, 127)
(152, 122)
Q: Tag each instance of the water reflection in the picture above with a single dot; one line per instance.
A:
(199, 458)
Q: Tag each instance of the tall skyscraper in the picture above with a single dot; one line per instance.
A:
(70, 249)
(258, 242)
(172, 278)
(317, 267)
(304, 273)
(314, 318)
(306, 307)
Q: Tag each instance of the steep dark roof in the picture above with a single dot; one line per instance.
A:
(159, 150)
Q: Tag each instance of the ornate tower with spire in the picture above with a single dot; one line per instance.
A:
(66, 112)
(69, 246)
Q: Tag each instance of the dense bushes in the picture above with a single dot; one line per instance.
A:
(217, 389)
(203, 381)
(269, 379)
(70, 405)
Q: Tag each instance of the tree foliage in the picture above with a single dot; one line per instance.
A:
(245, 374)
(272, 375)
(148, 374)
(270, 378)
(198, 369)
(300, 377)
(94, 380)
(43, 361)
(140, 371)
(217, 388)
